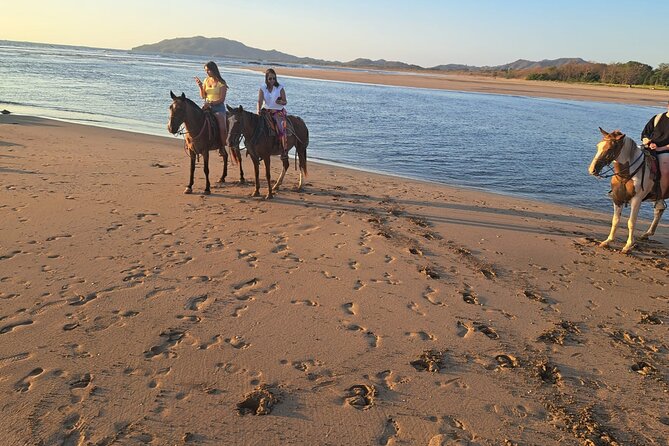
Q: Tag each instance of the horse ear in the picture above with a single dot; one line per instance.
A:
(230, 109)
(183, 95)
(172, 95)
(241, 109)
(618, 135)
(604, 132)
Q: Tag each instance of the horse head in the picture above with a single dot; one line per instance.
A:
(177, 112)
(235, 126)
(608, 149)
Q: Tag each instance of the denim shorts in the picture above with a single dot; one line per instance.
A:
(218, 108)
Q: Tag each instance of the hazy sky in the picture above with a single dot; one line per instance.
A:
(422, 32)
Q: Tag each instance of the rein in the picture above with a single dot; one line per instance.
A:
(628, 176)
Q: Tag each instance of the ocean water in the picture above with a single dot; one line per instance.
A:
(528, 147)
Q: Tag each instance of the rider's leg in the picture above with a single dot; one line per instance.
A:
(664, 170)
(222, 127)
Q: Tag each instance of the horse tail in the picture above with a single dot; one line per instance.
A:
(302, 137)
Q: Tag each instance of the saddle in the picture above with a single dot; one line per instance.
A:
(653, 165)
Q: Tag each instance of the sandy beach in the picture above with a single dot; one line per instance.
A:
(364, 310)
(485, 84)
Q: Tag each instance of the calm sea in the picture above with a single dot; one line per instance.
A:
(528, 147)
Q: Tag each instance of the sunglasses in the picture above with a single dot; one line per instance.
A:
(270, 78)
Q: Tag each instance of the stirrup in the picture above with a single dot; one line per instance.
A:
(660, 205)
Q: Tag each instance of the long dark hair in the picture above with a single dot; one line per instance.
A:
(213, 68)
(271, 71)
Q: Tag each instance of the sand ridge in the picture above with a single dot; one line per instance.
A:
(365, 310)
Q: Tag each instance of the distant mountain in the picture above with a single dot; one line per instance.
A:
(219, 47)
(226, 48)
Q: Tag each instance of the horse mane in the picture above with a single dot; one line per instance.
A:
(192, 103)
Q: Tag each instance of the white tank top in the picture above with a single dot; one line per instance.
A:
(270, 97)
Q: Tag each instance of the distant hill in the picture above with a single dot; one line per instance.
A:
(226, 48)
(522, 64)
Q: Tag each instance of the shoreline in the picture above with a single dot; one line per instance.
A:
(483, 84)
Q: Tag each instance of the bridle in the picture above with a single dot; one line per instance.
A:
(612, 155)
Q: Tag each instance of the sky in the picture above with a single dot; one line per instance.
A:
(421, 32)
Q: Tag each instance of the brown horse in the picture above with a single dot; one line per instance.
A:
(261, 144)
(201, 137)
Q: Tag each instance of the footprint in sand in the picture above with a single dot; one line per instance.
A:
(359, 284)
(351, 308)
(390, 433)
(239, 310)
(469, 296)
(464, 329)
(11, 327)
(430, 294)
(413, 306)
(430, 361)
(506, 361)
(237, 342)
(195, 303)
(423, 336)
(258, 402)
(25, 383)
(486, 330)
(360, 396)
(305, 302)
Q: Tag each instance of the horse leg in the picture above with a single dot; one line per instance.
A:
(268, 175)
(617, 210)
(189, 188)
(256, 170)
(657, 215)
(224, 154)
(205, 157)
(635, 205)
(238, 154)
(278, 183)
(302, 159)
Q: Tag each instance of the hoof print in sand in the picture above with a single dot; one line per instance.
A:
(643, 368)
(506, 361)
(258, 402)
(533, 295)
(651, 319)
(486, 330)
(429, 360)
(548, 373)
(429, 272)
(565, 332)
(360, 396)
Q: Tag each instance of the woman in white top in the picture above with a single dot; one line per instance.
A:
(273, 96)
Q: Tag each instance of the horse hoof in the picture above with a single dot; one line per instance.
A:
(255, 194)
(207, 192)
(269, 196)
(645, 236)
(188, 190)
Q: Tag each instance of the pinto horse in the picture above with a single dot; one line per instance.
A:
(200, 138)
(632, 182)
(260, 144)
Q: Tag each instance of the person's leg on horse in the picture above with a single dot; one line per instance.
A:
(280, 119)
(663, 160)
(222, 127)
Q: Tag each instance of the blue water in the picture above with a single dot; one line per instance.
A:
(529, 147)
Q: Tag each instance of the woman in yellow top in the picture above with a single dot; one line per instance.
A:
(213, 91)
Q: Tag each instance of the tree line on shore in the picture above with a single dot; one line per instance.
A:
(628, 73)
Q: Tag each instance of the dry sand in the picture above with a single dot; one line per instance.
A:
(484, 84)
(365, 310)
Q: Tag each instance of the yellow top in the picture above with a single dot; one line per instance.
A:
(214, 92)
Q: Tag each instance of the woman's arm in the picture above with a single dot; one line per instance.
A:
(281, 100)
(261, 99)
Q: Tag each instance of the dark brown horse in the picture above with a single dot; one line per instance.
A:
(261, 144)
(201, 137)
